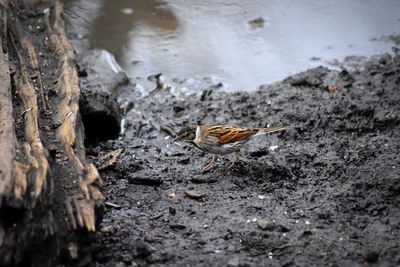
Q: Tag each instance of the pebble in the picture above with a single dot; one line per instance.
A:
(107, 229)
(172, 195)
(194, 194)
(265, 224)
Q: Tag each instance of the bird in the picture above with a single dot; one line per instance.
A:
(221, 139)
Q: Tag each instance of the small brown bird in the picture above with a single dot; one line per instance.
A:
(221, 139)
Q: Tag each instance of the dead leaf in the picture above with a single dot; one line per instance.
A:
(333, 89)
(109, 159)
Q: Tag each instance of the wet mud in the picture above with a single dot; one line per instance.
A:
(325, 192)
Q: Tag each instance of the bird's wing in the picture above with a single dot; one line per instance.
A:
(227, 134)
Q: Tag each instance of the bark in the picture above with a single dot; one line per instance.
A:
(50, 195)
(7, 133)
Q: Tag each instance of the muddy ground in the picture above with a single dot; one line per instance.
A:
(326, 192)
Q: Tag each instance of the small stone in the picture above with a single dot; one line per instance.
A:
(265, 224)
(273, 148)
(194, 194)
(107, 229)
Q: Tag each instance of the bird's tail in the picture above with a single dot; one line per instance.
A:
(270, 130)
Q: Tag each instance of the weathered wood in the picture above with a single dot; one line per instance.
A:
(83, 203)
(34, 66)
(49, 193)
(14, 172)
(33, 147)
(7, 132)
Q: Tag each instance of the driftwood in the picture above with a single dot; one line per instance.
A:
(49, 193)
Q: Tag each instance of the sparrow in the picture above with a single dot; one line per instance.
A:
(221, 139)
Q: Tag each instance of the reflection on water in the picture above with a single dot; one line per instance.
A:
(242, 43)
(110, 23)
(112, 28)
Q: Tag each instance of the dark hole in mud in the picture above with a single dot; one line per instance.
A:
(99, 127)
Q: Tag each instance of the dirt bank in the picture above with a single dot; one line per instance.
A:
(325, 192)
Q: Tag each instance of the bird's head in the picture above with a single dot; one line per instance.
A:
(187, 133)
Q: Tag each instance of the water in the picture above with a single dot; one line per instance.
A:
(197, 39)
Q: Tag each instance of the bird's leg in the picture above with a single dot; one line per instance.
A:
(233, 161)
(209, 164)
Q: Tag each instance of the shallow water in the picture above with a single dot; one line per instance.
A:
(217, 39)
